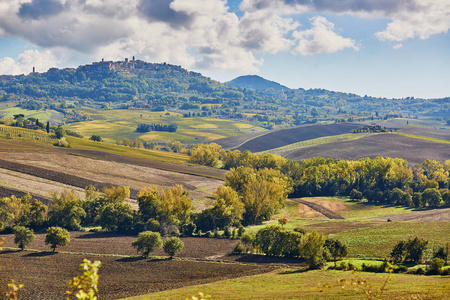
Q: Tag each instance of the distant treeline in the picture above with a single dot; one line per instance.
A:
(156, 127)
(380, 180)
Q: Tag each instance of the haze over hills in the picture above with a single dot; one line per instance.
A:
(255, 82)
(135, 84)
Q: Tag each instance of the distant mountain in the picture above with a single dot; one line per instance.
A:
(255, 82)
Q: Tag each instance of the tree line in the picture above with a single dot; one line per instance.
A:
(380, 180)
(156, 127)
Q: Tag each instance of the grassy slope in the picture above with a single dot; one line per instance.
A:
(117, 124)
(316, 142)
(309, 285)
(365, 238)
(28, 135)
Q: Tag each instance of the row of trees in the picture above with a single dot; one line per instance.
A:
(156, 127)
(381, 180)
(146, 243)
(273, 240)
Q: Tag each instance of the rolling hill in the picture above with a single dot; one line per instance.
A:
(255, 82)
(282, 137)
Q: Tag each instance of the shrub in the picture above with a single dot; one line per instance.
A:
(238, 249)
(96, 138)
(437, 263)
(147, 242)
(23, 236)
(172, 246)
(356, 195)
(57, 236)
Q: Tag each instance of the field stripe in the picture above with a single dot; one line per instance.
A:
(423, 137)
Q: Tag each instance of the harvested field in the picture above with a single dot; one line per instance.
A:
(78, 171)
(330, 214)
(8, 146)
(7, 192)
(443, 134)
(392, 145)
(435, 215)
(282, 137)
(45, 274)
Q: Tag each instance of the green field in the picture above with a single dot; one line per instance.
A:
(365, 237)
(113, 125)
(294, 284)
(43, 115)
(378, 241)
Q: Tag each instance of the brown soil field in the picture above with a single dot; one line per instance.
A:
(443, 134)
(282, 137)
(7, 192)
(415, 151)
(326, 208)
(116, 244)
(78, 171)
(24, 146)
(435, 215)
(45, 274)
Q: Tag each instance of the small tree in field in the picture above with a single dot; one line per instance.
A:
(57, 236)
(172, 246)
(336, 248)
(23, 236)
(147, 241)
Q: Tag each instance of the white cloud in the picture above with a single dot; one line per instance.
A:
(409, 19)
(433, 18)
(321, 38)
(42, 61)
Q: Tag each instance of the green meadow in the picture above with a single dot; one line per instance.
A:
(319, 284)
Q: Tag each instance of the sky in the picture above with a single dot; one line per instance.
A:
(381, 48)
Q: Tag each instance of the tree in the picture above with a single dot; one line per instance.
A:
(23, 236)
(59, 132)
(432, 197)
(228, 208)
(116, 194)
(117, 217)
(172, 246)
(147, 241)
(206, 154)
(38, 214)
(412, 249)
(47, 128)
(67, 210)
(336, 248)
(312, 249)
(172, 206)
(96, 138)
(57, 236)
(415, 248)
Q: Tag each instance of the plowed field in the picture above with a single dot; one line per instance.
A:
(45, 275)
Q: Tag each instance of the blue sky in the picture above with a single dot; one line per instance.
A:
(383, 48)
